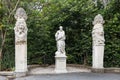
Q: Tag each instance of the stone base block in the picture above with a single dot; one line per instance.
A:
(98, 57)
(21, 58)
(60, 64)
(96, 70)
(20, 74)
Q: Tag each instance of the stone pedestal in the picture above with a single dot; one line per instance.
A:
(60, 64)
(20, 60)
(98, 55)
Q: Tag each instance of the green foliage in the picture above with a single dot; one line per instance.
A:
(73, 15)
(76, 17)
(112, 34)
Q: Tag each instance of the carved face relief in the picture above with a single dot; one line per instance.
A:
(20, 26)
(20, 31)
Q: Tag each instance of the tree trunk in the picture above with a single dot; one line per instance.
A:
(3, 35)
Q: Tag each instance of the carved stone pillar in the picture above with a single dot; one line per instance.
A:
(20, 30)
(98, 42)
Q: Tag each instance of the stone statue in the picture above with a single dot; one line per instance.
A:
(60, 55)
(20, 26)
(98, 33)
(98, 42)
(60, 38)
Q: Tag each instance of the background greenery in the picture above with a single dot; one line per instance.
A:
(75, 16)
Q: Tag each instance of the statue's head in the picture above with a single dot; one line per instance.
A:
(20, 13)
(61, 28)
(98, 19)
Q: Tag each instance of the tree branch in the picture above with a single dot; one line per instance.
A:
(4, 33)
(14, 9)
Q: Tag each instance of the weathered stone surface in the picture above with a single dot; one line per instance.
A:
(98, 32)
(60, 38)
(50, 69)
(60, 55)
(60, 64)
(20, 27)
(20, 30)
(98, 42)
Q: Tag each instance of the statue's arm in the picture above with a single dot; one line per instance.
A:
(56, 36)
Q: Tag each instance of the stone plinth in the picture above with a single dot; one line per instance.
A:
(98, 55)
(21, 59)
(60, 64)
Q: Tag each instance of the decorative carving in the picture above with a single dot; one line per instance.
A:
(20, 27)
(60, 38)
(98, 33)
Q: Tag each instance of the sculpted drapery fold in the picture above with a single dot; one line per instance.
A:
(60, 38)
